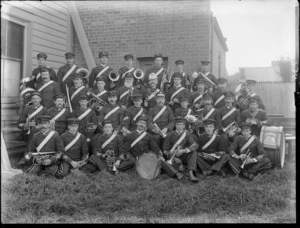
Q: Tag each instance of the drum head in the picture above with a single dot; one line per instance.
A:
(148, 166)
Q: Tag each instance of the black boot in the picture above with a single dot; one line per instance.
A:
(192, 177)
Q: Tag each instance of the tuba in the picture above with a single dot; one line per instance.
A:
(138, 75)
(113, 77)
(85, 75)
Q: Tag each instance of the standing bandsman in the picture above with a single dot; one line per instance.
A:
(41, 58)
(186, 81)
(161, 119)
(242, 100)
(247, 155)
(254, 116)
(42, 142)
(59, 114)
(158, 70)
(66, 73)
(102, 70)
(77, 90)
(251, 87)
(197, 96)
(75, 149)
(128, 68)
(47, 88)
(151, 91)
(183, 145)
(218, 95)
(211, 157)
(209, 78)
(176, 92)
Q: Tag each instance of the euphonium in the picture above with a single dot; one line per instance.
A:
(114, 76)
(138, 74)
(85, 75)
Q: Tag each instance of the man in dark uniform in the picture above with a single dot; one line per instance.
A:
(59, 114)
(251, 87)
(161, 119)
(185, 77)
(77, 90)
(102, 70)
(45, 141)
(184, 146)
(66, 73)
(176, 92)
(254, 116)
(211, 157)
(151, 91)
(75, 149)
(197, 96)
(128, 68)
(242, 100)
(247, 150)
(184, 110)
(218, 95)
(47, 88)
(41, 58)
(209, 78)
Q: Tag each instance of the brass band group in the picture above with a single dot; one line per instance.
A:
(154, 121)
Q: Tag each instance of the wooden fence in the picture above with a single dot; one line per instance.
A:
(278, 97)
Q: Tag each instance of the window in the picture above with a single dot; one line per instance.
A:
(147, 62)
(12, 56)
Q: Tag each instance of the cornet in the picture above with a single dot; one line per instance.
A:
(160, 131)
(170, 161)
(244, 163)
(233, 127)
(96, 103)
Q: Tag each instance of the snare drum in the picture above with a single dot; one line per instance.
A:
(273, 140)
(148, 166)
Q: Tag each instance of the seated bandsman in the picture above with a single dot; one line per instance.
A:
(218, 95)
(184, 146)
(47, 88)
(251, 88)
(151, 91)
(247, 155)
(45, 149)
(176, 92)
(184, 110)
(131, 114)
(106, 151)
(77, 90)
(86, 116)
(242, 100)
(197, 96)
(75, 149)
(254, 116)
(185, 77)
(161, 119)
(59, 114)
(211, 151)
(128, 68)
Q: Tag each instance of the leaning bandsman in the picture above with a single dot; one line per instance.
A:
(218, 95)
(77, 90)
(102, 70)
(128, 68)
(66, 73)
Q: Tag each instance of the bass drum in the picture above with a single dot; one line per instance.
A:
(148, 166)
(273, 140)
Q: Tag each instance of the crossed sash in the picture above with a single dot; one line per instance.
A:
(189, 112)
(158, 72)
(252, 94)
(138, 139)
(72, 142)
(130, 70)
(159, 113)
(111, 112)
(208, 114)
(77, 91)
(109, 140)
(138, 114)
(45, 85)
(59, 114)
(247, 144)
(176, 92)
(102, 71)
(25, 91)
(35, 112)
(209, 142)
(207, 79)
(101, 93)
(84, 114)
(42, 144)
(219, 99)
(68, 73)
(179, 141)
(228, 113)
(124, 94)
(197, 98)
(153, 94)
(38, 76)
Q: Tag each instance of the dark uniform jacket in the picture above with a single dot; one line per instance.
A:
(235, 116)
(182, 93)
(165, 120)
(185, 78)
(114, 145)
(154, 69)
(126, 100)
(216, 146)
(62, 71)
(83, 123)
(183, 112)
(129, 116)
(75, 100)
(152, 102)
(78, 151)
(95, 71)
(122, 71)
(116, 117)
(260, 115)
(260, 103)
(209, 76)
(215, 115)
(173, 137)
(61, 124)
(48, 93)
(96, 91)
(216, 95)
(194, 95)
(37, 71)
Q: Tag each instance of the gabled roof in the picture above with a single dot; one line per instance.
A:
(262, 74)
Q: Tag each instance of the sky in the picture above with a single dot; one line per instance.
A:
(257, 32)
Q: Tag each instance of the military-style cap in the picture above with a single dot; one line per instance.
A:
(180, 119)
(209, 121)
(179, 62)
(69, 55)
(207, 96)
(128, 56)
(112, 93)
(103, 53)
(137, 96)
(41, 55)
(83, 97)
(245, 125)
(229, 94)
(107, 121)
(252, 99)
(73, 121)
(250, 81)
(152, 76)
(129, 75)
(33, 93)
(44, 118)
(184, 99)
(177, 75)
(59, 95)
(200, 81)
(78, 75)
(158, 55)
(142, 117)
(45, 69)
(205, 62)
(100, 79)
(222, 80)
(160, 94)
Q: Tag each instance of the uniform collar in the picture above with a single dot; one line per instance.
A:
(179, 133)
(46, 132)
(177, 87)
(139, 132)
(83, 109)
(229, 107)
(102, 65)
(35, 107)
(72, 133)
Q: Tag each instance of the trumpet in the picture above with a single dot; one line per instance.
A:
(244, 163)
(42, 156)
(160, 131)
(114, 77)
(85, 75)
(170, 161)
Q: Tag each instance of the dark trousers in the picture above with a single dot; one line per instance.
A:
(188, 159)
(94, 162)
(253, 168)
(216, 165)
(158, 139)
(42, 170)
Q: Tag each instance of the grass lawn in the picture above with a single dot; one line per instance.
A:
(126, 198)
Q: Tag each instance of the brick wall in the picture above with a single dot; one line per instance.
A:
(177, 29)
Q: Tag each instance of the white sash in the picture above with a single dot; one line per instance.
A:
(108, 140)
(176, 92)
(26, 90)
(209, 142)
(138, 114)
(84, 114)
(130, 70)
(153, 94)
(73, 141)
(77, 91)
(102, 71)
(111, 112)
(42, 144)
(124, 94)
(35, 112)
(219, 99)
(101, 93)
(158, 72)
(179, 141)
(59, 114)
(197, 98)
(189, 112)
(247, 144)
(159, 113)
(252, 94)
(138, 139)
(38, 76)
(45, 85)
(228, 113)
(208, 114)
(68, 73)
(207, 79)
